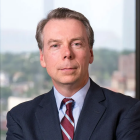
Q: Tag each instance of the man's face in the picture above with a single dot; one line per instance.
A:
(66, 53)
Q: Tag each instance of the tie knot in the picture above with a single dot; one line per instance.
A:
(68, 102)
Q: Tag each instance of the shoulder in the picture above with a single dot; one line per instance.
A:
(119, 102)
(27, 107)
(118, 97)
(112, 98)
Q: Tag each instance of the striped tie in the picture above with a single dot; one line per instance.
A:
(67, 123)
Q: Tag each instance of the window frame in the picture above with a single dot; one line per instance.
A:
(138, 49)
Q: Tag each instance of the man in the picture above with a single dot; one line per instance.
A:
(76, 108)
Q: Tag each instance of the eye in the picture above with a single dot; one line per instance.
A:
(77, 44)
(55, 46)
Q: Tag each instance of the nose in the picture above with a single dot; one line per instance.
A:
(67, 52)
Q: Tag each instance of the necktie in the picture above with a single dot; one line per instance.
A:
(67, 123)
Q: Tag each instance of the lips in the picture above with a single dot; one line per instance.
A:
(68, 71)
(67, 68)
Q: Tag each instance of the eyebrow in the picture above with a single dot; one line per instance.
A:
(58, 40)
(53, 40)
(78, 38)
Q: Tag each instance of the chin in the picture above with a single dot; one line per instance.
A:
(68, 80)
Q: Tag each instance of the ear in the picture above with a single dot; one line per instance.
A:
(91, 56)
(42, 61)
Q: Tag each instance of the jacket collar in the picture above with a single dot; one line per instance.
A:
(47, 117)
(91, 113)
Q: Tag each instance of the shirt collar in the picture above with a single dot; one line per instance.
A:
(78, 97)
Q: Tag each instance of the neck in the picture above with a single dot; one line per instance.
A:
(69, 90)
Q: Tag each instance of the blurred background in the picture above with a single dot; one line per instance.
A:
(21, 76)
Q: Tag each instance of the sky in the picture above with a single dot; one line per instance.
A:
(21, 14)
(25, 14)
(100, 13)
(105, 16)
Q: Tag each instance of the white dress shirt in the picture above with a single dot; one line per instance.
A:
(78, 97)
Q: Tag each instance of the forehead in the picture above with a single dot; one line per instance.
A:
(64, 27)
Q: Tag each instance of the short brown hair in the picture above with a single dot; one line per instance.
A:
(64, 13)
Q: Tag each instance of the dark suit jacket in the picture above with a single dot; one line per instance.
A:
(105, 116)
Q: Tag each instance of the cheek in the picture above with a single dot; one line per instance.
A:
(84, 59)
(51, 61)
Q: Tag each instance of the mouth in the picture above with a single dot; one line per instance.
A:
(68, 70)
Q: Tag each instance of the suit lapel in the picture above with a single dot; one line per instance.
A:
(48, 119)
(91, 113)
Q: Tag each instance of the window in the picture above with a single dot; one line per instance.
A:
(115, 49)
